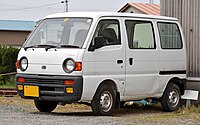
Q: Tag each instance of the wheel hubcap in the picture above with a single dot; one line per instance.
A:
(106, 101)
(173, 98)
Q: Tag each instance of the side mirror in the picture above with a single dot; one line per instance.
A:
(98, 42)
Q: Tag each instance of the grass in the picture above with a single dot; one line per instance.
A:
(8, 83)
(154, 115)
(7, 86)
(191, 114)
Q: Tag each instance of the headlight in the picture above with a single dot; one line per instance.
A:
(23, 63)
(68, 65)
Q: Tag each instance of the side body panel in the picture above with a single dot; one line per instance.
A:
(142, 76)
(101, 64)
(142, 79)
(171, 60)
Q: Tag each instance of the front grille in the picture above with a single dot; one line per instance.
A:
(48, 87)
(44, 81)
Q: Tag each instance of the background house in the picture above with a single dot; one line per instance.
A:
(14, 32)
(141, 8)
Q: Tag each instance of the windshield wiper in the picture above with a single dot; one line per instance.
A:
(69, 46)
(47, 47)
(41, 46)
(33, 46)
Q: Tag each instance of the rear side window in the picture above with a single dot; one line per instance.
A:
(170, 37)
(140, 34)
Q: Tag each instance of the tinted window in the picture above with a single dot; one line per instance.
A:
(109, 30)
(140, 34)
(170, 37)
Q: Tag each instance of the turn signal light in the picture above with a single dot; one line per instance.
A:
(70, 90)
(20, 87)
(69, 82)
(78, 66)
(17, 64)
(22, 80)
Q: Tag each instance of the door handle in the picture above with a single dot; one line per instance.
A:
(119, 61)
(131, 61)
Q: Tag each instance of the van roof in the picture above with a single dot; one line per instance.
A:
(107, 14)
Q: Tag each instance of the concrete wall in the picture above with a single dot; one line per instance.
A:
(14, 38)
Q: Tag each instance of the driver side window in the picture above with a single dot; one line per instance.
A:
(110, 31)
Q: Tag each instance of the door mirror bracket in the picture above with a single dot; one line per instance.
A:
(98, 43)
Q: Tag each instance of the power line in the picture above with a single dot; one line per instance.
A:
(150, 1)
(33, 7)
(12, 4)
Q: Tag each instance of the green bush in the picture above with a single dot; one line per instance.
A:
(7, 81)
(8, 57)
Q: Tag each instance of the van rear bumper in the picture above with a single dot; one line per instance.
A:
(52, 88)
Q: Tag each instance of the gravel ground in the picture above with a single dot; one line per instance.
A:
(12, 115)
(16, 111)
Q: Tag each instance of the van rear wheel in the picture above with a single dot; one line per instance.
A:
(45, 106)
(170, 100)
(103, 102)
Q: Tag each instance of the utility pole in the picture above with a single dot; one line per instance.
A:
(66, 3)
(150, 1)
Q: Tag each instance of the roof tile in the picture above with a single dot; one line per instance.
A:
(151, 9)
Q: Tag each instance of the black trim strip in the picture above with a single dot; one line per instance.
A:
(172, 72)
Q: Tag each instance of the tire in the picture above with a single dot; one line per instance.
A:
(171, 98)
(103, 102)
(45, 106)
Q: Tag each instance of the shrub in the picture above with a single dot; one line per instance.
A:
(8, 57)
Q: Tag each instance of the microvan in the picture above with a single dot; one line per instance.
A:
(102, 59)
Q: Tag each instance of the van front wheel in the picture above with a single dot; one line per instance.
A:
(103, 102)
(170, 100)
(45, 106)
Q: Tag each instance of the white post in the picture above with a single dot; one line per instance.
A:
(150, 1)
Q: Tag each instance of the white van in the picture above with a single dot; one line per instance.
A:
(103, 59)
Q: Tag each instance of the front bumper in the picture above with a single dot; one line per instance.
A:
(52, 88)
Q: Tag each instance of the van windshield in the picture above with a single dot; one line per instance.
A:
(62, 32)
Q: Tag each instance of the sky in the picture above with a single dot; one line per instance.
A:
(36, 9)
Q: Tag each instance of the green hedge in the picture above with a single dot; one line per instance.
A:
(8, 57)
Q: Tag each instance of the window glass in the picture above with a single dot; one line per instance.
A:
(58, 32)
(109, 30)
(170, 37)
(140, 34)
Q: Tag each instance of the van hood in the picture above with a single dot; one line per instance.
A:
(52, 60)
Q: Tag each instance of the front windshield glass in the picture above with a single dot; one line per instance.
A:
(60, 32)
